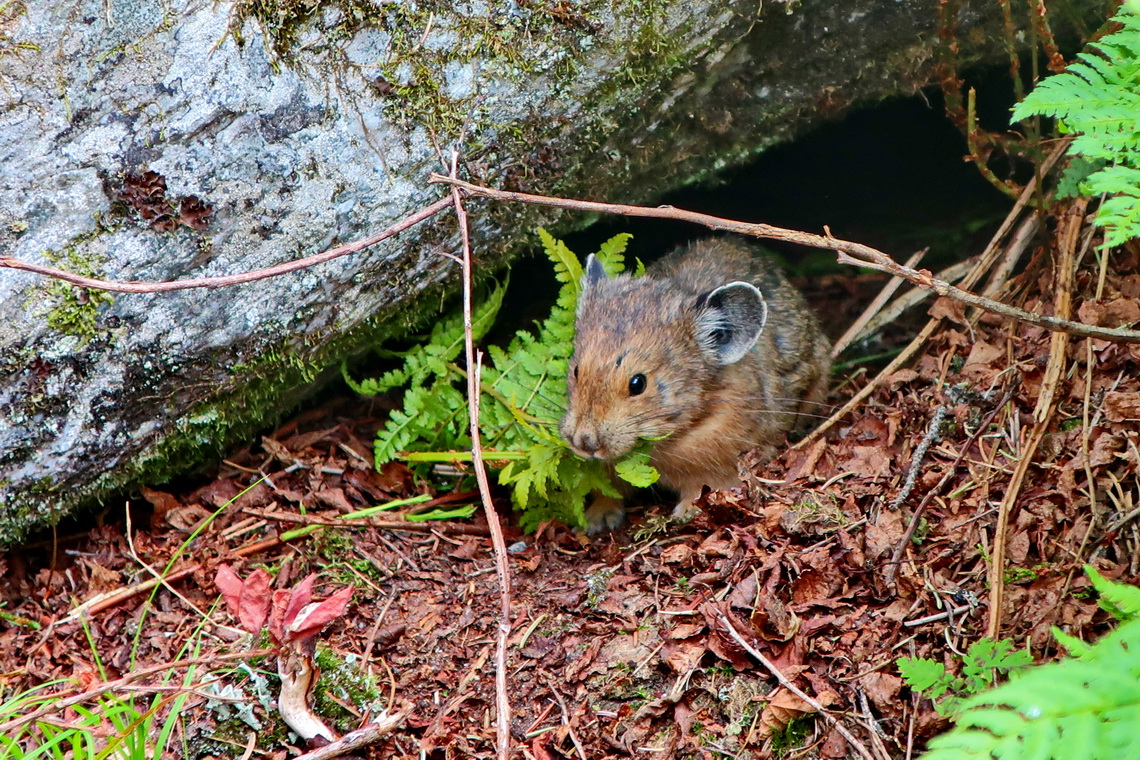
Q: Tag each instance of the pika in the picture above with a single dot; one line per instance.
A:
(712, 352)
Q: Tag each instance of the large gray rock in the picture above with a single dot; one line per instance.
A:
(318, 125)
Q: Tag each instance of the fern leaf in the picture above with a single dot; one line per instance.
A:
(1069, 710)
(567, 270)
(1074, 646)
(921, 673)
(1098, 98)
(1119, 214)
(636, 471)
(611, 253)
(371, 386)
(1120, 599)
(400, 428)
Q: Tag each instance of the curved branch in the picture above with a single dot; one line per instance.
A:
(232, 279)
(847, 253)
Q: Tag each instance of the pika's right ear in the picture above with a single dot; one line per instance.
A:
(594, 272)
(729, 321)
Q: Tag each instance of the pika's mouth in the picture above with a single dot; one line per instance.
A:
(597, 454)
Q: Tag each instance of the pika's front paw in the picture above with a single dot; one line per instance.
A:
(685, 511)
(604, 514)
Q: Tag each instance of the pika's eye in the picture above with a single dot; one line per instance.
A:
(637, 384)
(575, 371)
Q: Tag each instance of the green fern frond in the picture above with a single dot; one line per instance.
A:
(1119, 599)
(612, 255)
(1098, 98)
(1077, 709)
(1070, 710)
(1120, 212)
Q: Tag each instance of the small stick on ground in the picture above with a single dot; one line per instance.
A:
(569, 725)
(787, 684)
(865, 392)
(1068, 232)
(932, 436)
(951, 612)
(102, 602)
(361, 737)
(474, 365)
(896, 556)
(873, 727)
(874, 307)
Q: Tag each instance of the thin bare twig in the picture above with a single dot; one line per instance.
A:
(950, 612)
(847, 252)
(874, 307)
(933, 434)
(863, 393)
(873, 727)
(474, 366)
(900, 547)
(110, 599)
(890, 313)
(276, 270)
(787, 684)
(102, 602)
(1068, 233)
(569, 724)
(155, 574)
(361, 737)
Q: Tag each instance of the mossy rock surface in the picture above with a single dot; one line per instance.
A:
(278, 128)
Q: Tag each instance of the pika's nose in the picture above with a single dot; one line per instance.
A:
(586, 442)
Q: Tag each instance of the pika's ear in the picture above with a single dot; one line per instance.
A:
(594, 272)
(729, 320)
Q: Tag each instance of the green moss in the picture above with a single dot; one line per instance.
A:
(343, 681)
(284, 21)
(75, 308)
(507, 43)
(792, 736)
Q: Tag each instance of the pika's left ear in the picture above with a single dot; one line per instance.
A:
(729, 321)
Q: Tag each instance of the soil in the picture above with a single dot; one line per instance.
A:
(619, 644)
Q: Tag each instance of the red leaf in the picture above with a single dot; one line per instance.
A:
(229, 584)
(314, 617)
(254, 601)
(301, 594)
(277, 614)
(248, 600)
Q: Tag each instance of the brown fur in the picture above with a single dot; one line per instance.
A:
(710, 413)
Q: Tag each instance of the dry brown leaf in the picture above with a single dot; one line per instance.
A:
(867, 462)
(982, 356)
(678, 554)
(685, 631)
(884, 535)
(882, 689)
(683, 656)
(1122, 407)
(782, 708)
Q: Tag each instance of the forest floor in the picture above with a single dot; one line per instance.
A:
(621, 644)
